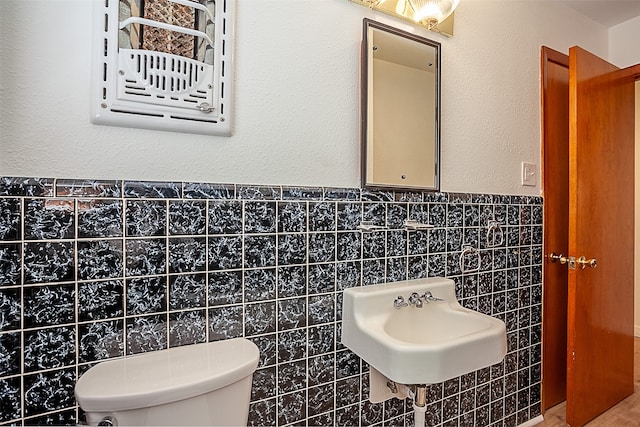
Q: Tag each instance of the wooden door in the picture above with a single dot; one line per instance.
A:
(601, 197)
(555, 186)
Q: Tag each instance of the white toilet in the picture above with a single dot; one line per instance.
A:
(195, 385)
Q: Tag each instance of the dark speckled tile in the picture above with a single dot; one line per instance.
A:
(292, 407)
(321, 369)
(342, 194)
(48, 262)
(10, 222)
(10, 353)
(322, 420)
(267, 347)
(49, 348)
(49, 391)
(209, 191)
(225, 252)
(30, 187)
(260, 284)
(146, 218)
(146, 295)
(347, 274)
(321, 309)
(292, 281)
(259, 217)
(292, 313)
(349, 246)
(347, 364)
(292, 376)
(204, 268)
(253, 192)
(146, 333)
(100, 340)
(260, 318)
(49, 305)
(99, 259)
(292, 217)
(225, 322)
(322, 278)
(371, 413)
(322, 216)
(264, 384)
(263, 413)
(347, 391)
(292, 249)
(146, 256)
(100, 300)
(225, 217)
(187, 217)
(152, 190)
(187, 327)
(10, 307)
(88, 188)
(225, 287)
(349, 216)
(322, 339)
(63, 418)
(187, 254)
(259, 251)
(348, 415)
(187, 291)
(292, 345)
(301, 193)
(10, 390)
(99, 218)
(10, 264)
(322, 247)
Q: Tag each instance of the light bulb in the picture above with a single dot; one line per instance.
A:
(432, 12)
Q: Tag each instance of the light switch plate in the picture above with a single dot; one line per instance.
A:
(529, 174)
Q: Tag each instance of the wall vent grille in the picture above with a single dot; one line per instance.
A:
(163, 64)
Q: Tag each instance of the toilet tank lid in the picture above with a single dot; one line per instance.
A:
(164, 376)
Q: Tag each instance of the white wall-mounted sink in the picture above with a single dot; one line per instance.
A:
(419, 345)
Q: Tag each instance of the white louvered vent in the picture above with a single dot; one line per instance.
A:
(163, 64)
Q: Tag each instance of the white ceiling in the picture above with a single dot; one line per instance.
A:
(607, 12)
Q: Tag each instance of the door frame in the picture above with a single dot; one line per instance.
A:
(553, 319)
(555, 190)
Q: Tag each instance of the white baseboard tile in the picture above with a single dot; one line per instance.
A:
(532, 422)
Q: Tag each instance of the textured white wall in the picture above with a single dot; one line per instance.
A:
(624, 49)
(297, 90)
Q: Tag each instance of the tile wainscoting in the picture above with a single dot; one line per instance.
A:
(91, 270)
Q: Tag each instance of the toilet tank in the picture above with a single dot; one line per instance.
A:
(201, 384)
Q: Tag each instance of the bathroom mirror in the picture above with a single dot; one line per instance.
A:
(400, 109)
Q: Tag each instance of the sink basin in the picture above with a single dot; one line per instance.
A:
(419, 345)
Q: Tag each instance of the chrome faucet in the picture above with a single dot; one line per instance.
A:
(415, 300)
(399, 302)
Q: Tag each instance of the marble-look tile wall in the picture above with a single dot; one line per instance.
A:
(91, 270)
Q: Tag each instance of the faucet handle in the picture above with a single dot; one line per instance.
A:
(399, 302)
(428, 297)
(415, 299)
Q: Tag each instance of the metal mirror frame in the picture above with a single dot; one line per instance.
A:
(364, 113)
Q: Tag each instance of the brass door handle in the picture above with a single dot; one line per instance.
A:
(559, 258)
(583, 262)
